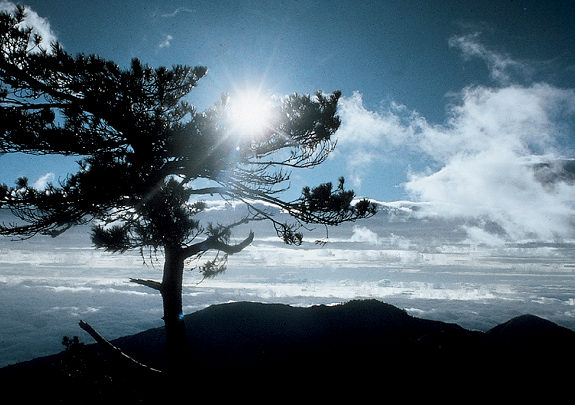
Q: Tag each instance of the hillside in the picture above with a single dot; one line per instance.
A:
(358, 335)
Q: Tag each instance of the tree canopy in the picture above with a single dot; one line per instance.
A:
(142, 148)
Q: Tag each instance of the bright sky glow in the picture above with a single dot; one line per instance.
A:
(250, 113)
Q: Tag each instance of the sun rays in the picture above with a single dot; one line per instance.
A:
(250, 113)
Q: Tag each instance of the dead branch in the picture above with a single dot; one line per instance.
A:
(148, 283)
(115, 351)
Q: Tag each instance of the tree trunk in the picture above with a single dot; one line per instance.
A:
(171, 290)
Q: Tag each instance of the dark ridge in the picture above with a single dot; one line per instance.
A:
(528, 335)
(247, 334)
(529, 328)
(357, 336)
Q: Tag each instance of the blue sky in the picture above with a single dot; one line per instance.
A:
(451, 103)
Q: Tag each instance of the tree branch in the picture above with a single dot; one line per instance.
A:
(209, 190)
(213, 243)
(36, 84)
(115, 351)
(17, 105)
(231, 249)
(148, 283)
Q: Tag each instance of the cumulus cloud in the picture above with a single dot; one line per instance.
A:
(369, 136)
(372, 128)
(497, 158)
(489, 151)
(42, 181)
(365, 235)
(39, 25)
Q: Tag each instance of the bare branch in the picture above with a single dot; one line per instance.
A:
(115, 351)
(148, 283)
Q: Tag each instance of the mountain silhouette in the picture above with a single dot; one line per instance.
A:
(357, 335)
(247, 334)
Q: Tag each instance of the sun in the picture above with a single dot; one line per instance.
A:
(250, 113)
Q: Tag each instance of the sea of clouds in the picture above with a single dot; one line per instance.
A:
(430, 267)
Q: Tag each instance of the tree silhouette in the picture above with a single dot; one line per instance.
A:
(141, 149)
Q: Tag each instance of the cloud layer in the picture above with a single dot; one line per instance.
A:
(486, 161)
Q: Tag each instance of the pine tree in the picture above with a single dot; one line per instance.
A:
(141, 149)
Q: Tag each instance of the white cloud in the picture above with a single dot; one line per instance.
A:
(363, 234)
(39, 24)
(484, 156)
(177, 11)
(525, 120)
(368, 136)
(479, 235)
(42, 181)
(167, 41)
(371, 128)
(488, 151)
(501, 67)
